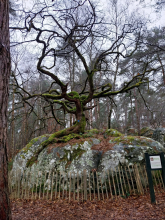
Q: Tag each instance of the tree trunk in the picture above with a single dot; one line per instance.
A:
(5, 64)
(137, 112)
(13, 127)
(109, 119)
(132, 118)
(162, 67)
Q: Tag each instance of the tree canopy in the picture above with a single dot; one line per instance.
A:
(78, 29)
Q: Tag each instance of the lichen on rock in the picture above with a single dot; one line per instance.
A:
(128, 150)
(132, 132)
(113, 133)
(75, 157)
(159, 135)
(146, 132)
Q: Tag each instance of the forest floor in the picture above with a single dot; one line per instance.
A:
(133, 207)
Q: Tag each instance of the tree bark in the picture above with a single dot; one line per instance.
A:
(5, 64)
(13, 126)
(137, 112)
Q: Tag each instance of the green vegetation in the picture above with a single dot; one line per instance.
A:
(83, 97)
(75, 154)
(132, 131)
(144, 130)
(74, 94)
(113, 133)
(27, 147)
(34, 140)
(69, 137)
(31, 161)
(82, 124)
(128, 140)
(10, 165)
(94, 131)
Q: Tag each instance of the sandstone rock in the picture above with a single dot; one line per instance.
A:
(159, 135)
(113, 133)
(123, 150)
(128, 150)
(146, 132)
(62, 159)
(132, 132)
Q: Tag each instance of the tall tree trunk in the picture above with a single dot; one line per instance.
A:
(5, 65)
(13, 126)
(115, 3)
(126, 115)
(137, 112)
(90, 116)
(109, 118)
(162, 67)
(132, 118)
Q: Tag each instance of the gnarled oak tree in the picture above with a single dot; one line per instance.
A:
(62, 28)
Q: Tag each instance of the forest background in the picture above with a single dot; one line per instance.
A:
(101, 62)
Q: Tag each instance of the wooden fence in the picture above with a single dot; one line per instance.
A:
(80, 186)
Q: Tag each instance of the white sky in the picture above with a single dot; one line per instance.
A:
(146, 9)
(157, 19)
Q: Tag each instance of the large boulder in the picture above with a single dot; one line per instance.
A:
(132, 132)
(128, 150)
(69, 158)
(147, 132)
(83, 155)
(113, 133)
(159, 135)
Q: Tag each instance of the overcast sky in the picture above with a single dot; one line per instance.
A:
(147, 9)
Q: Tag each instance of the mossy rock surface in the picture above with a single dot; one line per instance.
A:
(132, 132)
(81, 155)
(113, 133)
(159, 135)
(129, 150)
(93, 131)
(70, 158)
(146, 132)
(135, 140)
(69, 137)
(26, 155)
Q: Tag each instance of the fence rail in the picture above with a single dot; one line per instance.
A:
(80, 186)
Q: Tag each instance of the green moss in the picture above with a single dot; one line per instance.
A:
(53, 138)
(74, 94)
(87, 135)
(132, 131)
(146, 129)
(82, 124)
(113, 133)
(128, 140)
(83, 97)
(131, 138)
(10, 165)
(94, 131)
(28, 146)
(118, 139)
(73, 109)
(23, 156)
(31, 161)
(69, 137)
(76, 153)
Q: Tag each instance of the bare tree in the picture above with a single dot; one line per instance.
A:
(61, 29)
